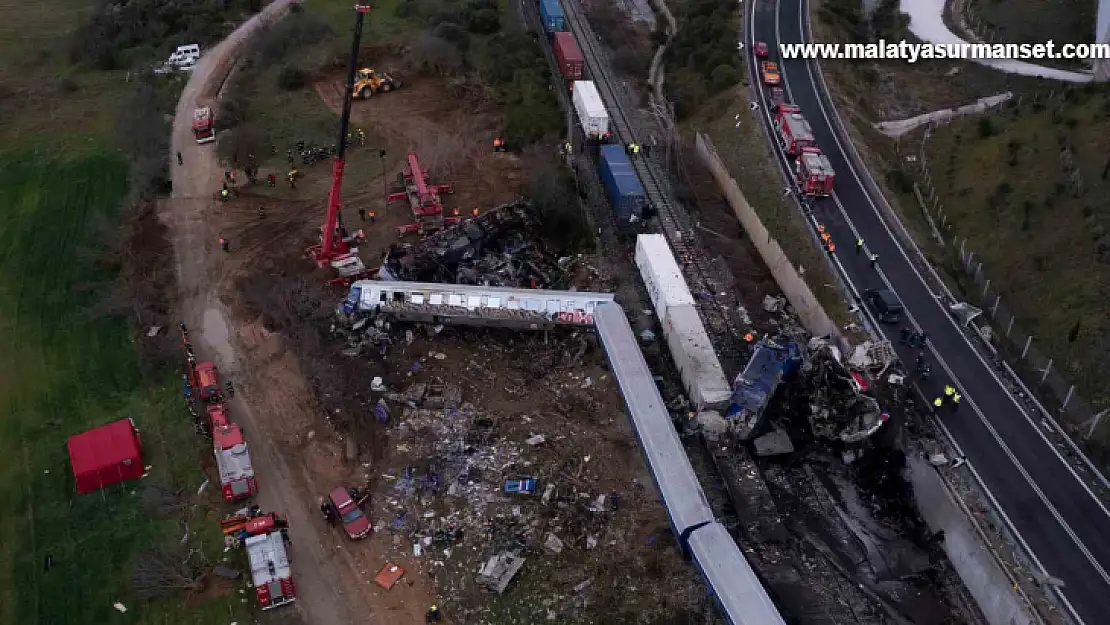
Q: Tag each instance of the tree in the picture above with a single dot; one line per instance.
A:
(158, 573)
(1073, 334)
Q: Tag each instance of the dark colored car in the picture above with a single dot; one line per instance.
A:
(885, 304)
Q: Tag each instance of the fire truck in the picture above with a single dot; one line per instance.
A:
(795, 133)
(203, 377)
(233, 460)
(204, 125)
(264, 538)
(814, 173)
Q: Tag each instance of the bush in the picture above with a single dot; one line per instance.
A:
(143, 131)
(899, 180)
(275, 42)
(291, 78)
(985, 127)
(724, 76)
(233, 111)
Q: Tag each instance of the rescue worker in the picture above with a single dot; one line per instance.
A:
(455, 211)
(497, 144)
(180, 161)
(362, 214)
(227, 175)
(956, 401)
(904, 336)
(635, 148)
(293, 179)
(926, 371)
(225, 194)
(647, 151)
(568, 148)
(922, 337)
(749, 337)
(433, 615)
(261, 212)
(938, 402)
(949, 391)
(224, 245)
(831, 247)
(373, 217)
(874, 258)
(271, 180)
(475, 212)
(821, 229)
(859, 245)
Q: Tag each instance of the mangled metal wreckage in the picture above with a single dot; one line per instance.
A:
(493, 249)
(840, 407)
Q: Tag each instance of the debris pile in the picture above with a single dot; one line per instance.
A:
(839, 407)
(498, 248)
(515, 462)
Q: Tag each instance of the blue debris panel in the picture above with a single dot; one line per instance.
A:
(771, 363)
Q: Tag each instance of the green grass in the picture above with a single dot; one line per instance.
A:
(1039, 242)
(1037, 21)
(62, 375)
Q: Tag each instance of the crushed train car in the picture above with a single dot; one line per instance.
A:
(771, 363)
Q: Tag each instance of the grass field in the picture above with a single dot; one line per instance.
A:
(1036, 21)
(64, 374)
(1044, 246)
(60, 176)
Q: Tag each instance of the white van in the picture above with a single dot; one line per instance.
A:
(185, 57)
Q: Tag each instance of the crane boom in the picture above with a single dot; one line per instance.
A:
(332, 246)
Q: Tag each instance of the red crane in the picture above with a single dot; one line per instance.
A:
(423, 198)
(337, 248)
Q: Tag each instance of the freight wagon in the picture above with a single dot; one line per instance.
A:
(622, 186)
(568, 55)
(592, 115)
(551, 14)
(697, 363)
(665, 285)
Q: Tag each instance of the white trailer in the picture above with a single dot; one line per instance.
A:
(697, 363)
(665, 285)
(591, 110)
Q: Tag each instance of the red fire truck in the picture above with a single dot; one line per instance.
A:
(795, 133)
(204, 124)
(266, 543)
(814, 173)
(233, 460)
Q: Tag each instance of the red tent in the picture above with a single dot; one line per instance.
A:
(105, 456)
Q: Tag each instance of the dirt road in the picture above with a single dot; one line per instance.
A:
(196, 184)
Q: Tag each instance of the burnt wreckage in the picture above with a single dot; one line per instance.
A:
(493, 249)
(840, 406)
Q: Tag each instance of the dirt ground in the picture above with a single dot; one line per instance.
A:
(260, 311)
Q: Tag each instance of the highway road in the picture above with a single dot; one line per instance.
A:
(1063, 525)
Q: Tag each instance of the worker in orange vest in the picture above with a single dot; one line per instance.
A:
(455, 211)
(821, 228)
(749, 337)
(831, 247)
(373, 217)
(224, 245)
(475, 211)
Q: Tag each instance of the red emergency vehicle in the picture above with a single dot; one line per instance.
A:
(814, 173)
(204, 125)
(794, 132)
(233, 460)
(264, 538)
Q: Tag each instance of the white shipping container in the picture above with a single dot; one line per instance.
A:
(591, 110)
(665, 285)
(698, 366)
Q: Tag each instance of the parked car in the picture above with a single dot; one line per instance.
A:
(343, 506)
(885, 304)
(761, 49)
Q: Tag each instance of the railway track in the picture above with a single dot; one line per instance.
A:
(675, 223)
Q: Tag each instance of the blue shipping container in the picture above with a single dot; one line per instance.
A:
(621, 183)
(551, 12)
